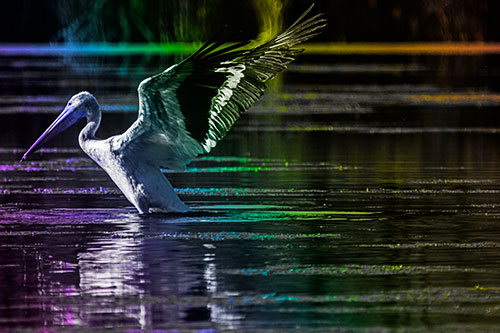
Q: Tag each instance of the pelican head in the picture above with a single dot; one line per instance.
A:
(78, 107)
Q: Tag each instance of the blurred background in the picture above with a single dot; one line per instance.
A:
(154, 21)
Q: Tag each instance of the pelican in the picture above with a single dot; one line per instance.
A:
(183, 112)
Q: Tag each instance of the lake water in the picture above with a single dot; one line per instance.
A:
(362, 192)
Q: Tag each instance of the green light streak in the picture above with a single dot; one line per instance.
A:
(225, 159)
(331, 213)
(230, 169)
(107, 49)
(189, 47)
(243, 207)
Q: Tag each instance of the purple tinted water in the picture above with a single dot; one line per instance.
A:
(357, 194)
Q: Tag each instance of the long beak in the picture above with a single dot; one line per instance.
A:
(68, 117)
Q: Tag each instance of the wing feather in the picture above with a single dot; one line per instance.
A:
(189, 107)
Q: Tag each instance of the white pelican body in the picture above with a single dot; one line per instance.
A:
(183, 112)
(143, 184)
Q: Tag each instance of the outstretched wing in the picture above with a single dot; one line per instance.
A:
(188, 108)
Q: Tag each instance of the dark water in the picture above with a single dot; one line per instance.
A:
(360, 193)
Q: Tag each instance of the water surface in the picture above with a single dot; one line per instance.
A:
(362, 192)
